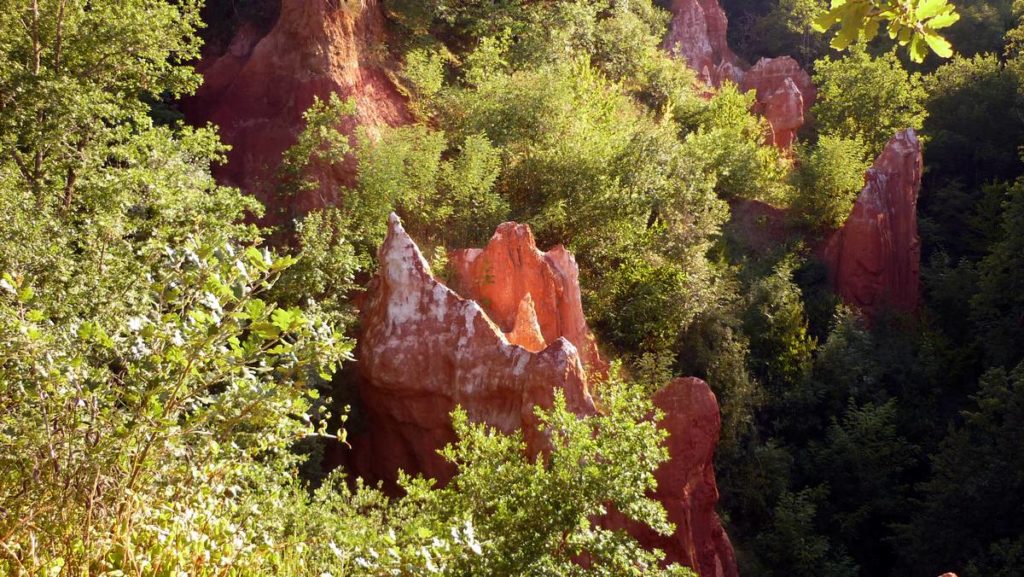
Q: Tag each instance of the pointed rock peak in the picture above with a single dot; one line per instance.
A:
(526, 332)
(424, 350)
(509, 269)
(698, 34)
(874, 260)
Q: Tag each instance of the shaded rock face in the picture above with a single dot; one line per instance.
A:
(523, 289)
(697, 33)
(874, 260)
(784, 91)
(686, 483)
(425, 349)
(257, 91)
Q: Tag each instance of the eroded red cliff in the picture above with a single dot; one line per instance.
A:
(874, 260)
(686, 483)
(257, 91)
(425, 349)
(518, 285)
(784, 92)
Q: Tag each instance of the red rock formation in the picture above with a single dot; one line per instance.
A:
(784, 91)
(686, 483)
(516, 283)
(697, 33)
(424, 350)
(785, 94)
(258, 90)
(874, 260)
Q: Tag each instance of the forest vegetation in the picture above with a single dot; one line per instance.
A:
(174, 365)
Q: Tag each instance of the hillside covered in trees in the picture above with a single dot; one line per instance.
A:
(512, 287)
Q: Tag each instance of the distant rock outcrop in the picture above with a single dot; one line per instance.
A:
(520, 287)
(785, 94)
(257, 91)
(784, 91)
(697, 33)
(425, 349)
(874, 260)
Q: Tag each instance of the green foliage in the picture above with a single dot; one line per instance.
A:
(780, 345)
(998, 307)
(443, 191)
(796, 543)
(968, 142)
(535, 516)
(72, 73)
(915, 23)
(865, 461)
(733, 142)
(861, 97)
(978, 473)
(830, 174)
(789, 29)
(109, 423)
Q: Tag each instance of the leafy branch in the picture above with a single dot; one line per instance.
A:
(913, 23)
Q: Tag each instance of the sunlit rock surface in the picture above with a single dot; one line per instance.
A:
(519, 286)
(785, 95)
(686, 483)
(875, 258)
(425, 349)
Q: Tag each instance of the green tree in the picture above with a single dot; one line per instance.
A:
(915, 23)
(123, 435)
(998, 307)
(828, 178)
(861, 97)
(978, 473)
(539, 516)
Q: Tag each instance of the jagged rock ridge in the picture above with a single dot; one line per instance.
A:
(518, 285)
(425, 349)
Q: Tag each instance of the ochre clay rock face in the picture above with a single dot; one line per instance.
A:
(686, 483)
(785, 95)
(875, 258)
(519, 287)
(697, 33)
(784, 91)
(257, 91)
(425, 349)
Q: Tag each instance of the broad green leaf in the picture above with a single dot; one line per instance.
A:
(265, 330)
(943, 21)
(938, 44)
(917, 49)
(928, 8)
